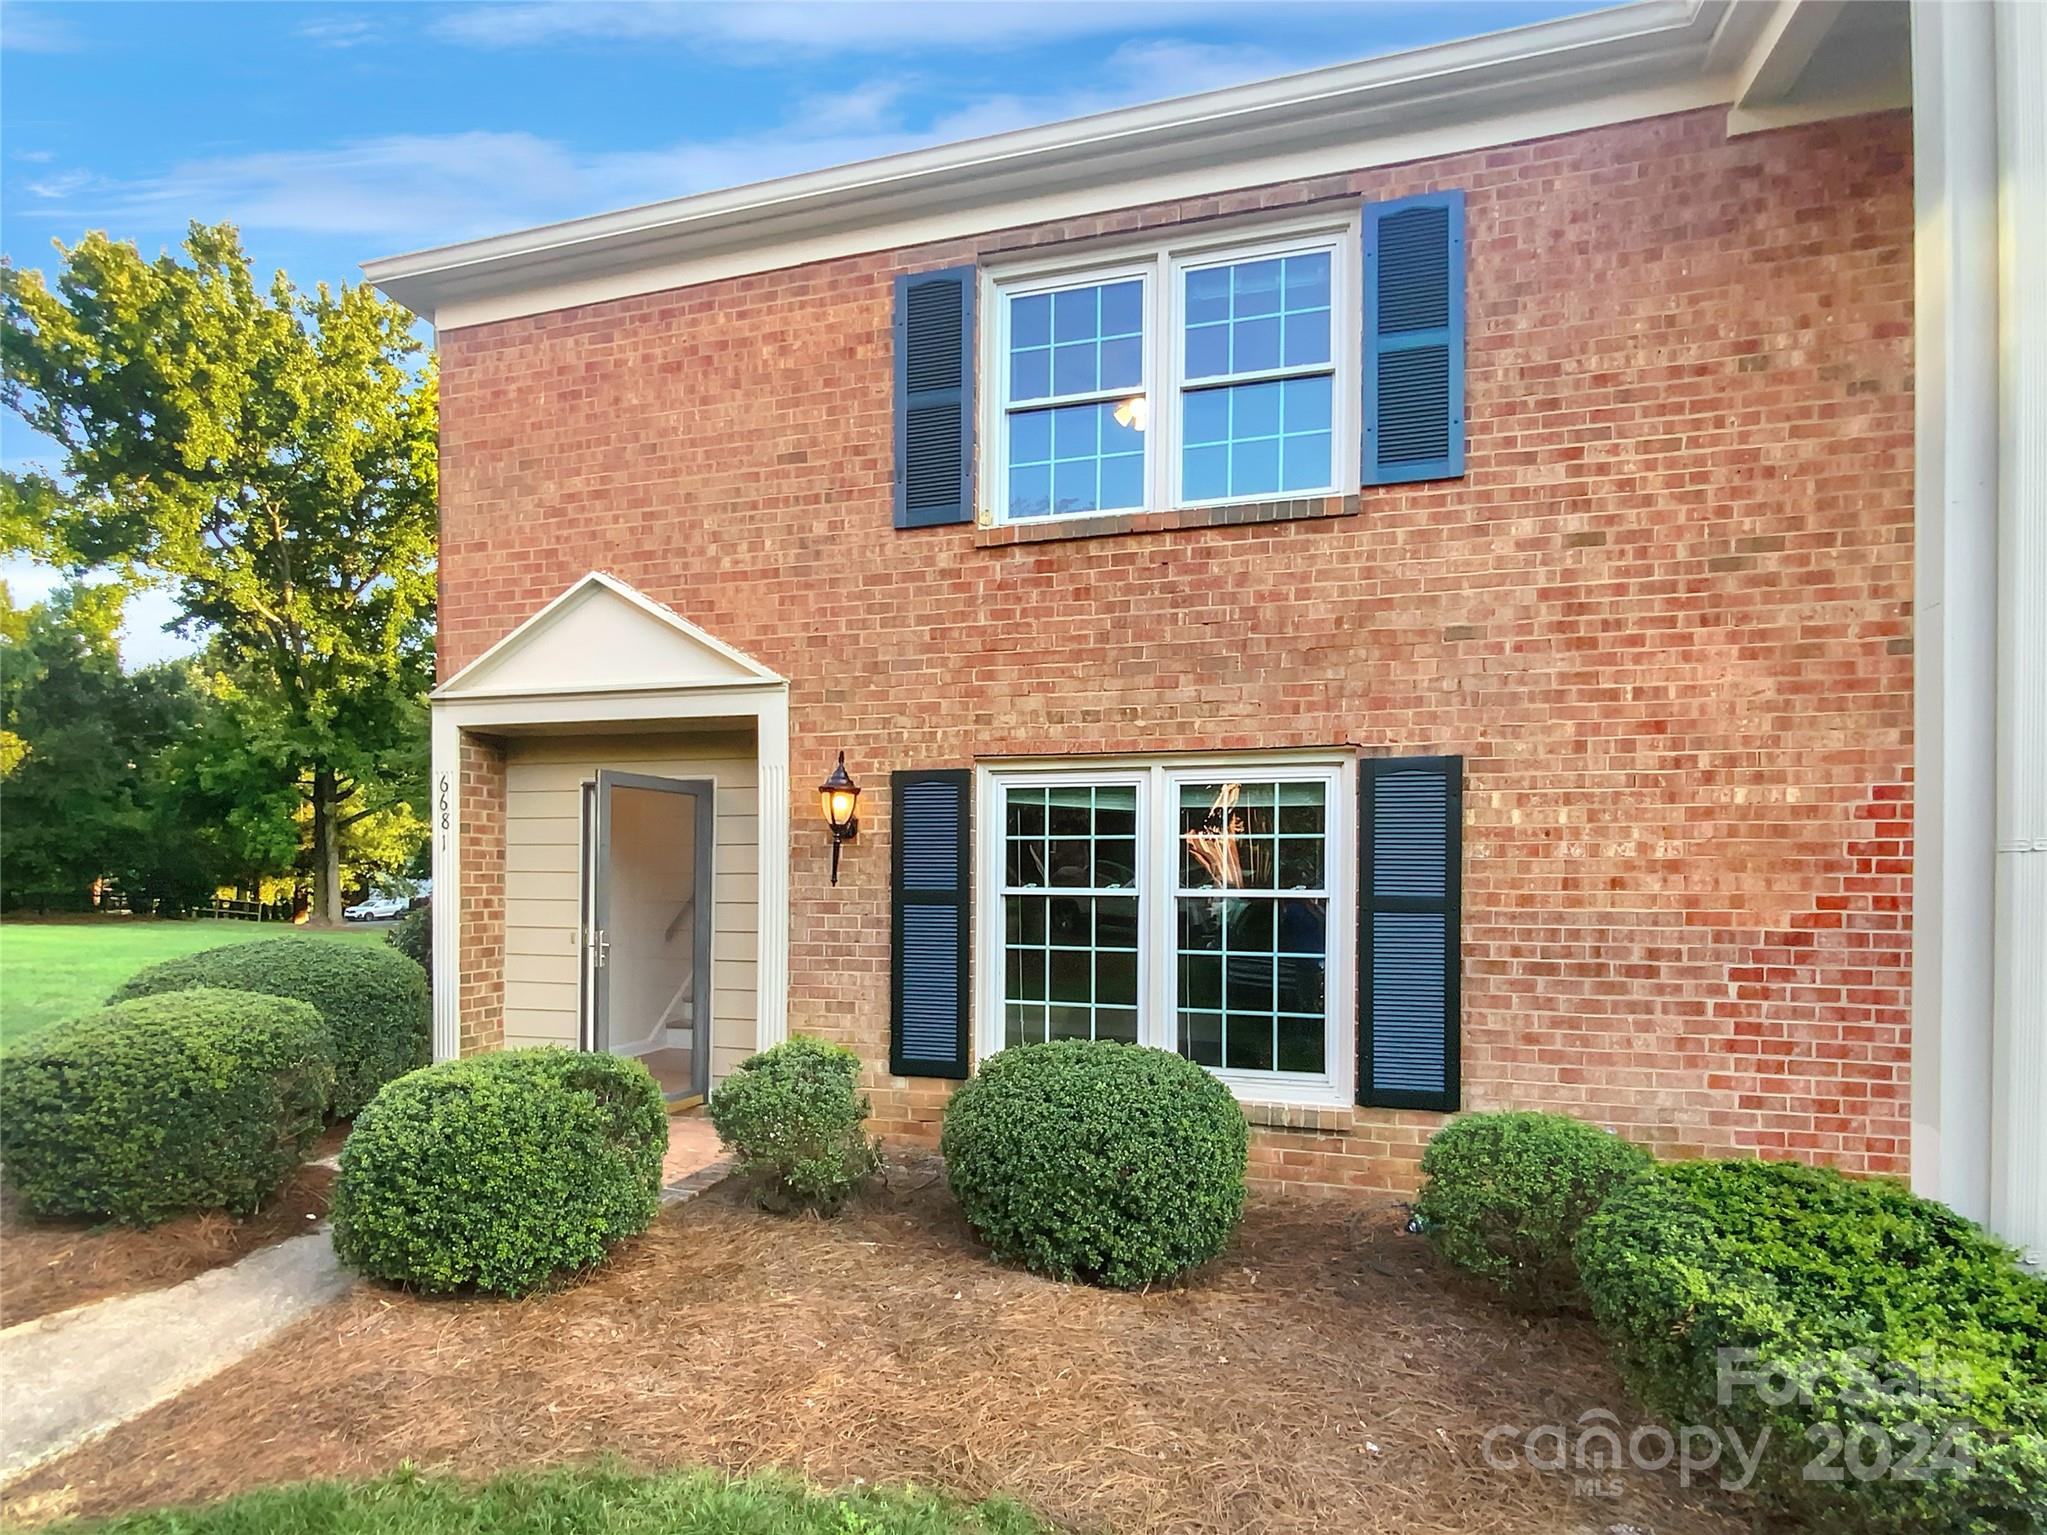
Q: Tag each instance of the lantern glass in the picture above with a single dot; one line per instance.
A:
(839, 798)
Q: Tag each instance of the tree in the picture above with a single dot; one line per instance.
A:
(270, 455)
(83, 746)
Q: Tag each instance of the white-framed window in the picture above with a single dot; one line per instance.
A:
(1203, 370)
(1203, 905)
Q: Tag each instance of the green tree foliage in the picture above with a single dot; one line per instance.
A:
(268, 454)
(88, 755)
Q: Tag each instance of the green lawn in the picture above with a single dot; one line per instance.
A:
(51, 970)
(580, 1502)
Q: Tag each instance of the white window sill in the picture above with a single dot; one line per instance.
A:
(1267, 1093)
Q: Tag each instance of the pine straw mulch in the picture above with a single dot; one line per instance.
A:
(1326, 1374)
(52, 1265)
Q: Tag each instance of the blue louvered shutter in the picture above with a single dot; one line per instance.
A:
(1411, 834)
(934, 344)
(933, 863)
(1414, 339)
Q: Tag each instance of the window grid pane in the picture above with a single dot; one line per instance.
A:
(1076, 341)
(1256, 439)
(1070, 914)
(1252, 919)
(1275, 437)
(1074, 458)
(1256, 316)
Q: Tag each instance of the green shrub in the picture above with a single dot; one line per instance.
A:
(196, 1100)
(1111, 1163)
(1506, 1194)
(413, 936)
(1871, 1329)
(500, 1171)
(792, 1117)
(374, 1000)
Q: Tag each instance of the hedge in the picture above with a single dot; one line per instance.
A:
(413, 936)
(501, 1171)
(1506, 1194)
(792, 1116)
(1893, 1354)
(1116, 1164)
(374, 1000)
(195, 1100)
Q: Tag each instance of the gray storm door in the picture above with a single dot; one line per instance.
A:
(647, 860)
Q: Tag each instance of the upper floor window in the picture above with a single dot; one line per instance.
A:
(1189, 374)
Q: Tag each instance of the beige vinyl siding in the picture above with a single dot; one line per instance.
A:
(543, 846)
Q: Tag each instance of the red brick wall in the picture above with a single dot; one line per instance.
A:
(1664, 616)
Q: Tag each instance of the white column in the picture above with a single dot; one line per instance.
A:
(1955, 608)
(445, 794)
(772, 981)
(2018, 1152)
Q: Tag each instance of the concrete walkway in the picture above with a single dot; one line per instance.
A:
(68, 1377)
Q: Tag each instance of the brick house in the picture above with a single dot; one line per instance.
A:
(1397, 582)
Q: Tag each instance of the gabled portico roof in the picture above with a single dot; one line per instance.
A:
(602, 636)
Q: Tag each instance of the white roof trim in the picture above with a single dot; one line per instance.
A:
(745, 671)
(1507, 83)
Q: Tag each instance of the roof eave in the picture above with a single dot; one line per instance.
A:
(1631, 47)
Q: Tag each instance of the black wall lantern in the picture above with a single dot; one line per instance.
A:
(841, 799)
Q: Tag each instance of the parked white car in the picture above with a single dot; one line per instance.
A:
(378, 908)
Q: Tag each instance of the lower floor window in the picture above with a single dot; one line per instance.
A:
(1070, 913)
(1186, 907)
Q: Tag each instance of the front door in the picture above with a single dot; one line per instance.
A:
(647, 925)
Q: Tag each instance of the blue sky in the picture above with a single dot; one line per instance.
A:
(335, 134)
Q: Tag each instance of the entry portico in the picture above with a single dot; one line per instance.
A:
(611, 839)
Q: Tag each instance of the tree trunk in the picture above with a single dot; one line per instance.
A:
(326, 910)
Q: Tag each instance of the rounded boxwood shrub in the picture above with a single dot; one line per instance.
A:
(1087, 1159)
(1890, 1356)
(1506, 1193)
(374, 1000)
(792, 1116)
(500, 1171)
(195, 1100)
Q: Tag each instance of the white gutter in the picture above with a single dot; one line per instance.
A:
(1954, 601)
(1979, 934)
(2018, 1159)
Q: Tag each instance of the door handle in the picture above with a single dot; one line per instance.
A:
(600, 948)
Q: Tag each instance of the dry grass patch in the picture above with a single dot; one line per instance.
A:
(1325, 1374)
(53, 1265)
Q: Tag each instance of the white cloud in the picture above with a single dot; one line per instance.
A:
(59, 186)
(1152, 70)
(339, 31)
(415, 189)
(32, 29)
(402, 191)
